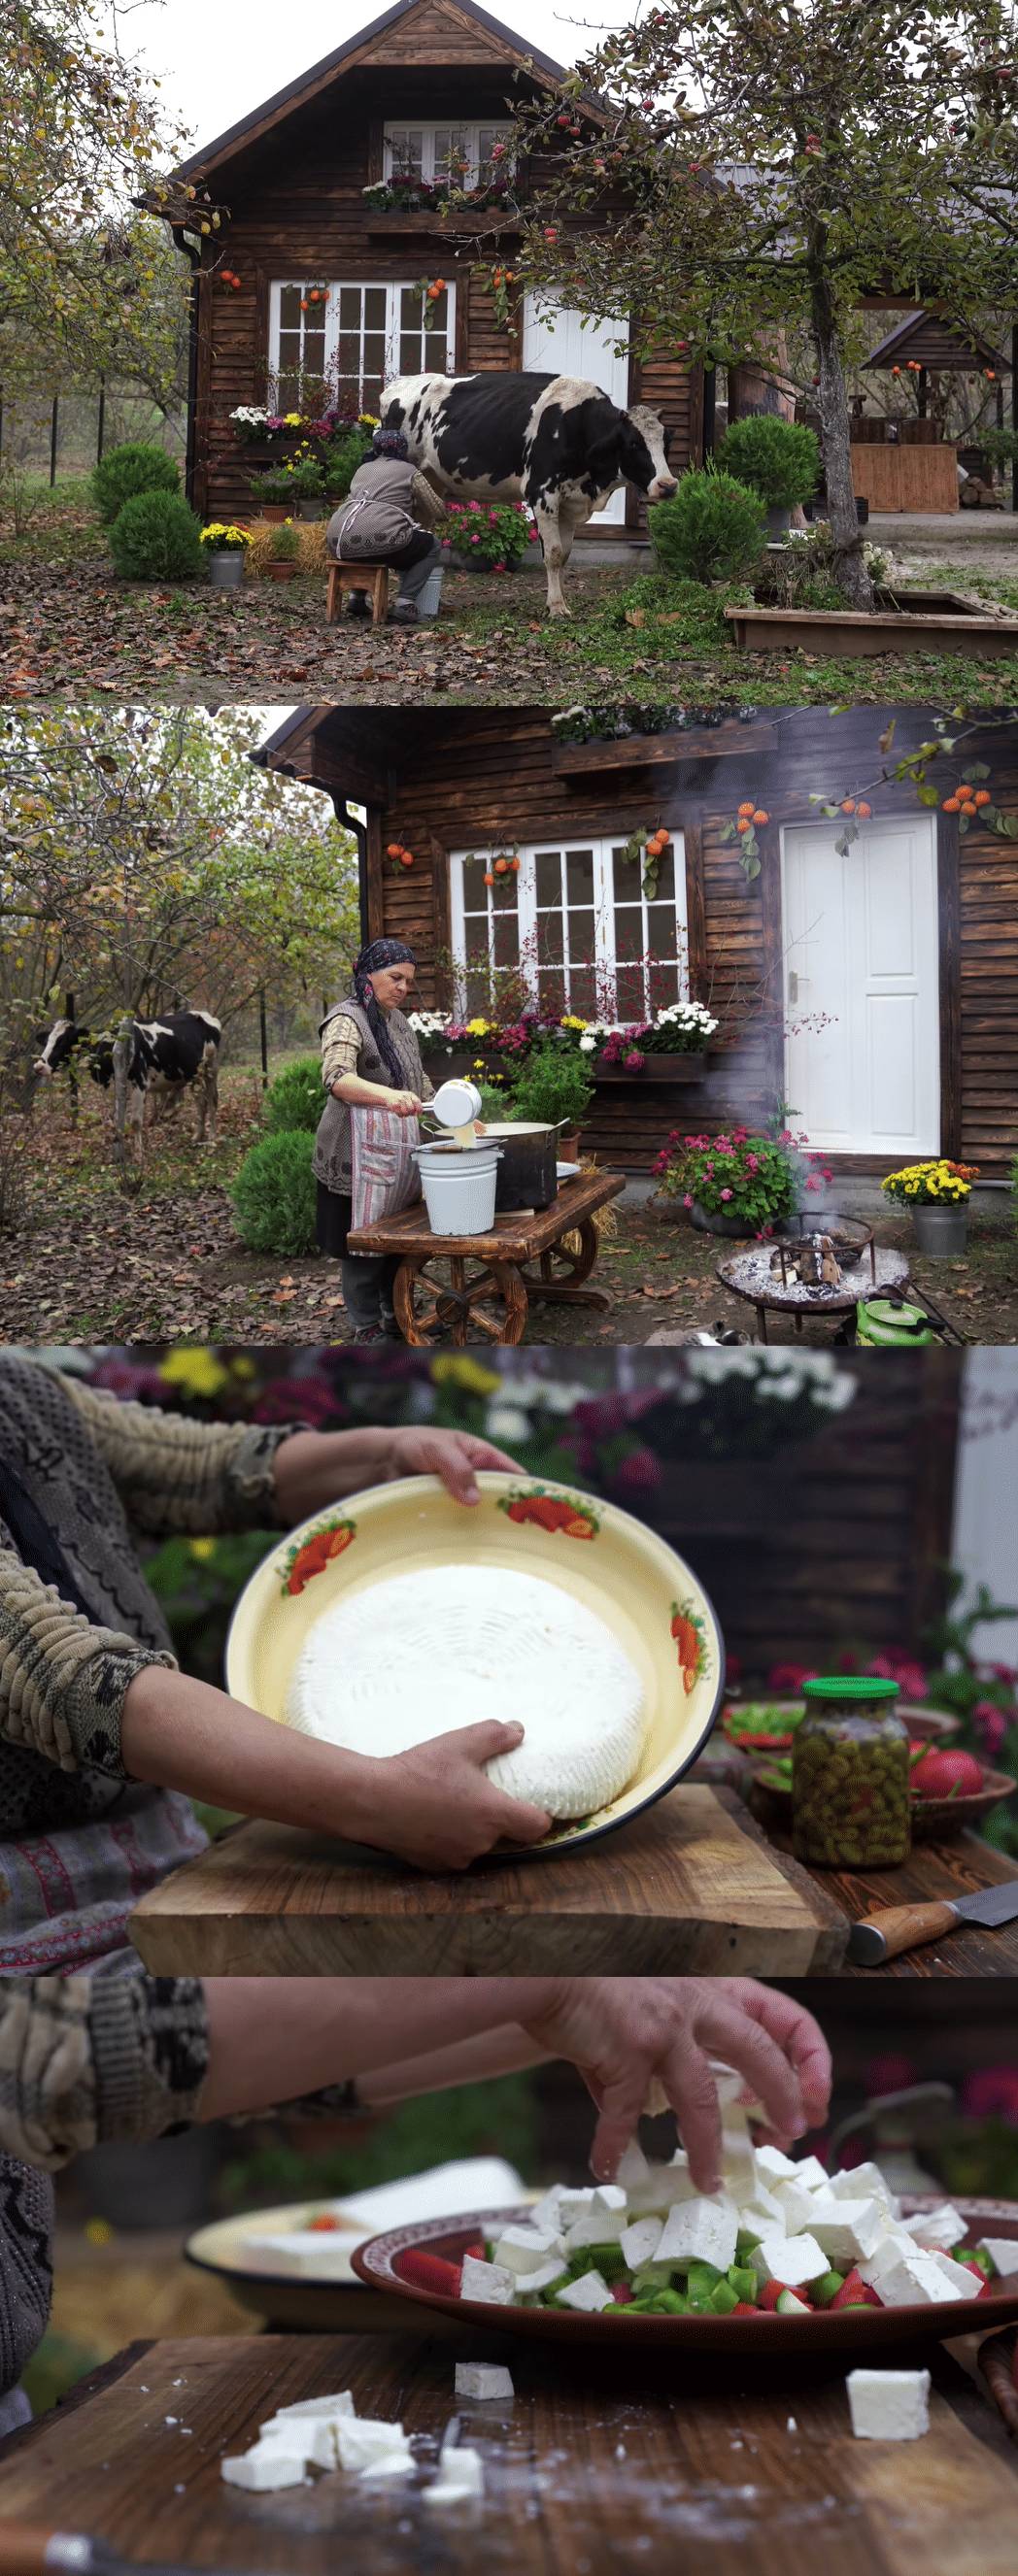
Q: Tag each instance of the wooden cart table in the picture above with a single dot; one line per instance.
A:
(694, 1886)
(484, 1282)
(742, 1273)
(590, 2469)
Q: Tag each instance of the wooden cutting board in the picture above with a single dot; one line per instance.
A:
(691, 1886)
(586, 2473)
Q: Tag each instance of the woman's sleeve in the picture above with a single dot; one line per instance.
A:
(175, 1475)
(63, 1681)
(425, 502)
(341, 1046)
(113, 2055)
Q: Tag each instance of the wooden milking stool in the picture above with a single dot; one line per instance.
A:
(372, 579)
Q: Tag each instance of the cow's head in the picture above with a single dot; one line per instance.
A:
(56, 1046)
(644, 444)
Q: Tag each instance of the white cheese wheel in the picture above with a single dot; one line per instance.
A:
(448, 1646)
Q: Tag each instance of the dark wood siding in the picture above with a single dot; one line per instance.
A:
(460, 780)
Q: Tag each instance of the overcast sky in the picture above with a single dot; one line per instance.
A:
(216, 64)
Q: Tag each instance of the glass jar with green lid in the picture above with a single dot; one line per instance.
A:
(850, 1775)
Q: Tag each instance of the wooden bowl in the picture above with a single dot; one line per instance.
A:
(854, 2334)
(621, 1571)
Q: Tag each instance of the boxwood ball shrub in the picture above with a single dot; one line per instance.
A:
(136, 467)
(778, 458)
(274, 1195)
(296, 1098)
(157, 537)
(713, 530)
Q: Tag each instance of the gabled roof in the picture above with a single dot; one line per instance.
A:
(370, 44)
(938, 345)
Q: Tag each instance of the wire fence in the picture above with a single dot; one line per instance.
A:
(67, 433)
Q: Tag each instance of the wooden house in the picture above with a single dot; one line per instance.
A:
(309, 281)
(875, 991)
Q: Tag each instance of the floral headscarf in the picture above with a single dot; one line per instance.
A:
(379, 954)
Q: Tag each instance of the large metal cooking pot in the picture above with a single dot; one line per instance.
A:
(527, 1171)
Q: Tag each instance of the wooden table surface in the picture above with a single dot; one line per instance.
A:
(517, 1237)
(588, 2470)
(693, 1886)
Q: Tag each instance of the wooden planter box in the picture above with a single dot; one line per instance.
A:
(662, 750)
(690, 1067)
(385, 223)
(939, 621)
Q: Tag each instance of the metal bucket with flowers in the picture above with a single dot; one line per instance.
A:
(937, 1195)
(226, 548)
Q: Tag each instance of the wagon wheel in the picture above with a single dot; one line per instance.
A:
(486, 1300)
(561, 1270)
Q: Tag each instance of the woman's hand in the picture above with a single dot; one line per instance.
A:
(455, 1456)
(315, 1468)
(625, 2035)
(405, 1103)
(435, 1806)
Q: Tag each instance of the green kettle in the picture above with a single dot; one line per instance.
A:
(881, 1325)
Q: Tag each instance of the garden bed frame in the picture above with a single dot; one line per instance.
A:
(938, 621)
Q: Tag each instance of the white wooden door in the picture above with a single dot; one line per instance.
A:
(558, 341)
(861, 987)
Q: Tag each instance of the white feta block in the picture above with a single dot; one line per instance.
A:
(460, 2479)
(588, 2294)
(664, 2185)
(546, 2211)
(862, 2182)
(595, 2227)
(912, 2279)
(1003, 2251)
(491, 2283)
(772, 2165)
(808, 2173)
(521, 2249)
(963, 2282)
(262, 2469)
(484, 2379)
(392, 2464)
(795, 2260)
(762, 2211)
(640, 2241)
(702, 2231)
(937, 2230)
(304, 2252)
(572, 2204)
(889, 2405)
(341, 2404)
(313, 2443)
(363, 2438)
(634, 2168)
(529, 2283)
(609, 2195)
(796, 2207)
(848, 2230)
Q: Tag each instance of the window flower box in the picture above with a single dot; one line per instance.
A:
(689, 1067)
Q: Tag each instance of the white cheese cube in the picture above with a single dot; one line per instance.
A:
(913, 2278)
(486, 2379)
(341, 2404)
(391, 2464)
(738, 2161)
(546, 2211)
(299, 2441)
(889, 2405)
(762, 2211)
(262, 2469)
(529, 2283)
(796, 2207)
(460, 2478)
(809, 2174)
(664, 2185)
(634, 2168)
(609, 2195)
(962, 2281)
(795, 2260)
(848, 2230)
(595, 2227)
(520, 2249)
(363, 2438)
(588, 2294)
(1003, 2251)
(492, 2283)
(640, 2241)
(305, 2252)
(862, 2182)
(936, 2230)
(772, 2164)
(572, 2204)
(702, 2231)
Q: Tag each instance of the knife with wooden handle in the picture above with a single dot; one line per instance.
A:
(895, 1928)
(31, 2549)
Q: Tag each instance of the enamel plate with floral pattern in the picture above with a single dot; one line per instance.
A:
(608, 1571)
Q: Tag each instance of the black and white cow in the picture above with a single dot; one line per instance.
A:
(556, 442)
(160, 1059)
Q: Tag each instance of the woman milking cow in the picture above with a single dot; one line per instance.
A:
(388, 518)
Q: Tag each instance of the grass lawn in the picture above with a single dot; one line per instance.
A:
(69, 629)
(166, 1263)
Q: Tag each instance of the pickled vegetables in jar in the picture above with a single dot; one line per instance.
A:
(850, 1775)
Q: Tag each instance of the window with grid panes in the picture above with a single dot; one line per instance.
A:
(458, 155)
(354, 337)
(578, 923)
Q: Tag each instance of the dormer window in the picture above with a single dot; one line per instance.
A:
(448, 156)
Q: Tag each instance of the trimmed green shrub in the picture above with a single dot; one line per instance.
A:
(157, 537)
(135, 467)
(713, 530)
(780, 459)
(295, 1100)
(554, 1084)
(274, 1195)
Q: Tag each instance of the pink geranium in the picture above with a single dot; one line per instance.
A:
(991, 1726)
(726, 1194)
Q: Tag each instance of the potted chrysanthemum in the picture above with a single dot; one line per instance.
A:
(226, 548)
(937, 1196)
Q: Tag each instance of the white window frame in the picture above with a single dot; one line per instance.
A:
(470, 130)
(393, 288)
(605, 960)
